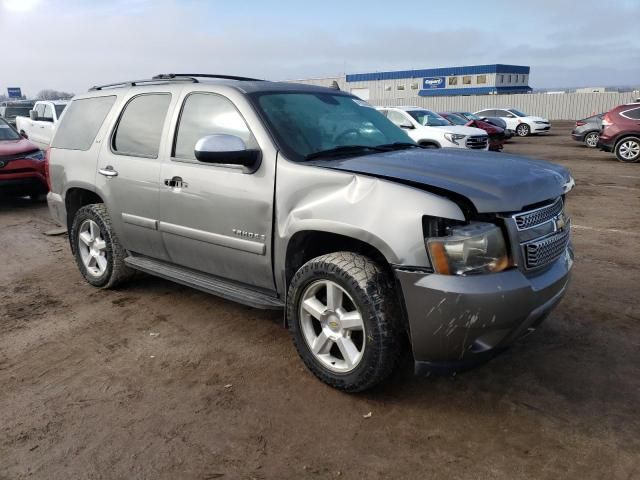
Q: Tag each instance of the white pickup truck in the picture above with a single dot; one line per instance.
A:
(41, 122)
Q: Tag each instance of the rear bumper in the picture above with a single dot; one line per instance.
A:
(457, 321)
(578, 137)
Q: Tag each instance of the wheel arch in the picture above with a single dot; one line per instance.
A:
(77, 197)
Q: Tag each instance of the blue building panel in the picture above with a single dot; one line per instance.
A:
(439, 72)
(473, 91)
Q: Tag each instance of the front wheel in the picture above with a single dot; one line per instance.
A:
(98, 253)
(344, 320)
(591, 140)
(523, 130)
(628, 150)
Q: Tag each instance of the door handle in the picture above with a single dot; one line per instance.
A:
(175, 182)
(108, 171)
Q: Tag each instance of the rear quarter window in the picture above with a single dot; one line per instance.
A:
(633, 114)
(80, 125)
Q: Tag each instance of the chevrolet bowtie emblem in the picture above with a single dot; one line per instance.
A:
(560, 222)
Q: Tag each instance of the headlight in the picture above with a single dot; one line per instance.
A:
(38, 156)
(453, 137)
(469, 249)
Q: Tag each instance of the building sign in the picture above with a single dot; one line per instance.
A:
(14, 92)
(433, 82)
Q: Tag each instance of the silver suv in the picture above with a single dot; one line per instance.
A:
(307, 199)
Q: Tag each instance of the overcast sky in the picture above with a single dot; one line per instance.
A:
(73, 44)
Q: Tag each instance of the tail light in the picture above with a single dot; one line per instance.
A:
(579, 123)
(606, 121)
(47, 174)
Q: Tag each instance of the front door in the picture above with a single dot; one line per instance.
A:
(217, 218)
(129, 172)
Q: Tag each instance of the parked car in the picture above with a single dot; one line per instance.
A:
(521, 123)
(10, 110)
(41, 122)
(430, 130)
(495, 121)
(621, 132)
(587, 130)
(307, 199)
(22, 168)
(496, 134)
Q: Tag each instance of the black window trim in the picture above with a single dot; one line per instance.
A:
(114, 130)
(191, 161)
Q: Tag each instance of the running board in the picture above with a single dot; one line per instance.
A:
(204, 282)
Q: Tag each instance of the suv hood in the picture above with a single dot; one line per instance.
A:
(493, 182)
(16, 147)
(459, 129)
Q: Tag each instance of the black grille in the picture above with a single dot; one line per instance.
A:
(477, 142)
(542, 252)
(539, 216)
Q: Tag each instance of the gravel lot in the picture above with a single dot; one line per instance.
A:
(161, 381)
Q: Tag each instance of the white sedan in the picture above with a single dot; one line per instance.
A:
(519, 122)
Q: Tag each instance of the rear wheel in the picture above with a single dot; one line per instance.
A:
(98, 253)
(628, 150)
(523, 130)
(591, 139)
(344, 320)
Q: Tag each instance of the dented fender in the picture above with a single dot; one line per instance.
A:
(382, 213)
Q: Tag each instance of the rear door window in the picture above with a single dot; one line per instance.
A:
(139, 130)
(81, 123)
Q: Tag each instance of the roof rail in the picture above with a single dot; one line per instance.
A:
(171, 76)
(156, 79)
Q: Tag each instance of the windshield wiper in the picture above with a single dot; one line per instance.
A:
(344, 150)
(398, 146)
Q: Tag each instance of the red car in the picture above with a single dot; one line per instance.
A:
(621, 132)
(496, 134)
(22, 168)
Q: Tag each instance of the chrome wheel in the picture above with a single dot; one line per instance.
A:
(629, 150)
(592, 140)
(522, 130)
(332, 326)
(92, 248)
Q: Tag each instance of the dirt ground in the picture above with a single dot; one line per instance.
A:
(158, 381)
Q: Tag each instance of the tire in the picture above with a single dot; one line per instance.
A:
(627, 150)
(109, 270)
(523, 130)
(366, 290)
(591, 139)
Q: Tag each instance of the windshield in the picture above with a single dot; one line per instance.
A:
(13, 112)
(470, 116)
(307, 123)
(427, 117)
(60, 109)
(517, 113)
(7, 133)
(455, 119)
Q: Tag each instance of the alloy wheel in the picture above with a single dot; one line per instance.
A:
(332, 326)
(92, 248)
(592, 140)
(629, 150)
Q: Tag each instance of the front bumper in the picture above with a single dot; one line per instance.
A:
(539, 128)
(458, 321)
(23, 185)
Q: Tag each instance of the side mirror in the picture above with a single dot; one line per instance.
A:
(33, 115)
(407, 126)
(24, 135)
(227, 150)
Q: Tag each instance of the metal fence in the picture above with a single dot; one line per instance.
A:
(554, 106)
(561, 106)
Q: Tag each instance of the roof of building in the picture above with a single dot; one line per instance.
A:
(437, 72)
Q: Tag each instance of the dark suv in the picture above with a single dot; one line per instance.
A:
(621, 132)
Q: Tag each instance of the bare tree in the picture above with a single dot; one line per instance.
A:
(53, 95)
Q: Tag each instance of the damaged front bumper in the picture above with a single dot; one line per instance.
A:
(458, 321)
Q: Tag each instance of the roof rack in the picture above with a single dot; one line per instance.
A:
(133, 83)
(171, 76)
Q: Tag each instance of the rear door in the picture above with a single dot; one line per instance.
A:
(218, 218)
(128, 176)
